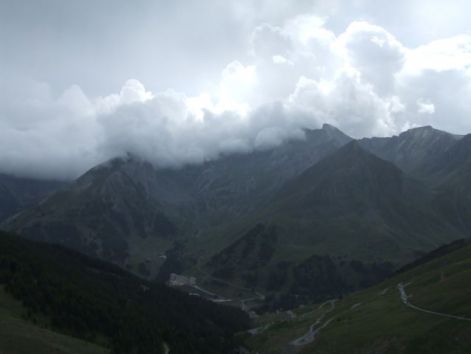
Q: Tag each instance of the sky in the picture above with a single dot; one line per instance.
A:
(184, 81)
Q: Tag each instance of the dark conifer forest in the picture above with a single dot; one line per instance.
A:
(99, 302)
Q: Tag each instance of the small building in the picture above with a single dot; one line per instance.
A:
(181, 280)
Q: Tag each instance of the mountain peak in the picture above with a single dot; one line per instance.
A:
(350, 178)
(328, 128)
(421, 132)
(329, 131)
(350, 160)
(426, 132)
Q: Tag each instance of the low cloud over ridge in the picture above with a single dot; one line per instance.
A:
(294, 76)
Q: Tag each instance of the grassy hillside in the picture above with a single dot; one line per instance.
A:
(19, 336)
(86, 298)
(342, 225)
(378, 321)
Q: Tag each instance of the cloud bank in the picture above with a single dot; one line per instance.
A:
(295, 75)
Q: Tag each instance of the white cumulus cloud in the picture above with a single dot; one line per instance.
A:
(297, 73)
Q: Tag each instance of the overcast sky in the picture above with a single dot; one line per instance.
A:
(185, 80)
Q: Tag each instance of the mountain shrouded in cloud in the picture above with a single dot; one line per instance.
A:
(294, 72)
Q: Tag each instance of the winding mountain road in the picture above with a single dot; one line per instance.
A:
(405, 301)
(310, 335)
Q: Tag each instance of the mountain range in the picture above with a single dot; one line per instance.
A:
(279, 221)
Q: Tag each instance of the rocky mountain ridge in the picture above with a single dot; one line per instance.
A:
(373, 201)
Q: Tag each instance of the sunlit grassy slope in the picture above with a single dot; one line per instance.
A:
(376, 320)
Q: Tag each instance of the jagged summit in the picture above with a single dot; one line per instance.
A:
(329, 132)
(421, 128)
(333, 131)
(426, 132)
(415, 150)
(329, 127)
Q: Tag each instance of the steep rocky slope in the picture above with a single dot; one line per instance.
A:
(342, 224)
(130, 212)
